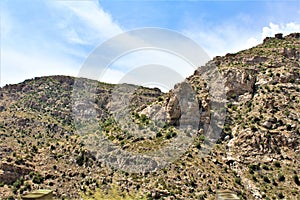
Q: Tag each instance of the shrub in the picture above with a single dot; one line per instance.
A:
(251, 171)
(144, 118)
(37, 178)
(238, 180)
(280, 195)
(27, 186)
(265, 167)
(277, 164)
(288, 127)
(229, 105)
(234, 107)
(17, 185)
(253, 128)
(296, 179)
(202, 137)
(281, 178)
(158, 134)
(81, 159)
(274, 182)
(168, 135)
(233, 95)
(253, 167)
(266, 179)
(198, 145)
(34, 149)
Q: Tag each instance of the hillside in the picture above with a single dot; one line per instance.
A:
(257, 154)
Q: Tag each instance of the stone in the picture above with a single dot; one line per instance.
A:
(256, 60)
(279, 36)
(227, 137)
(291, 53)
(239, 81)
(267, 124)
(173, 110)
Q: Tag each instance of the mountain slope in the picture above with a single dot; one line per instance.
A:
(256, 155)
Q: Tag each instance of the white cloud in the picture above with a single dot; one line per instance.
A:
(76, 27)
(285, 29)
(86, 21)
(227, 38)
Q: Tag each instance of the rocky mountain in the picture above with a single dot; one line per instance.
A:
(255, 97)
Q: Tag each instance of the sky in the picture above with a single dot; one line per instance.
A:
(55, 37)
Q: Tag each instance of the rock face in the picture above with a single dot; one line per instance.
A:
(291, 53)
(239, 82)
(9, 173)
(257, 60)
(173, 110)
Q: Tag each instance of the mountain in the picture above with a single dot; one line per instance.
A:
(256, 153)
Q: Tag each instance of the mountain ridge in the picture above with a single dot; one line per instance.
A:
(256, 155)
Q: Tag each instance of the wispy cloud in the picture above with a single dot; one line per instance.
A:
(85, 21)
(60, 46)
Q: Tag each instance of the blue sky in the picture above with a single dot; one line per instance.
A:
(41, 38)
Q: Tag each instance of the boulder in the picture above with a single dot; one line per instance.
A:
(279, 36)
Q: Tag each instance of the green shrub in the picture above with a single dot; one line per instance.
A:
(296, 179)
(253, 128)
(277, 164)
(229, 105)
(160, 98)
(17, 185)
(238, 180)
(281, 178)
(234, 107)
(198, 145)
(233, 95)
(265, 167)
(254, 167)
(37, 178)
(34, 149)
(280, 195)
(10, 198)
(158, 134)
(202, 137)
(143, 118)
(266, 179)
(168, 135)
